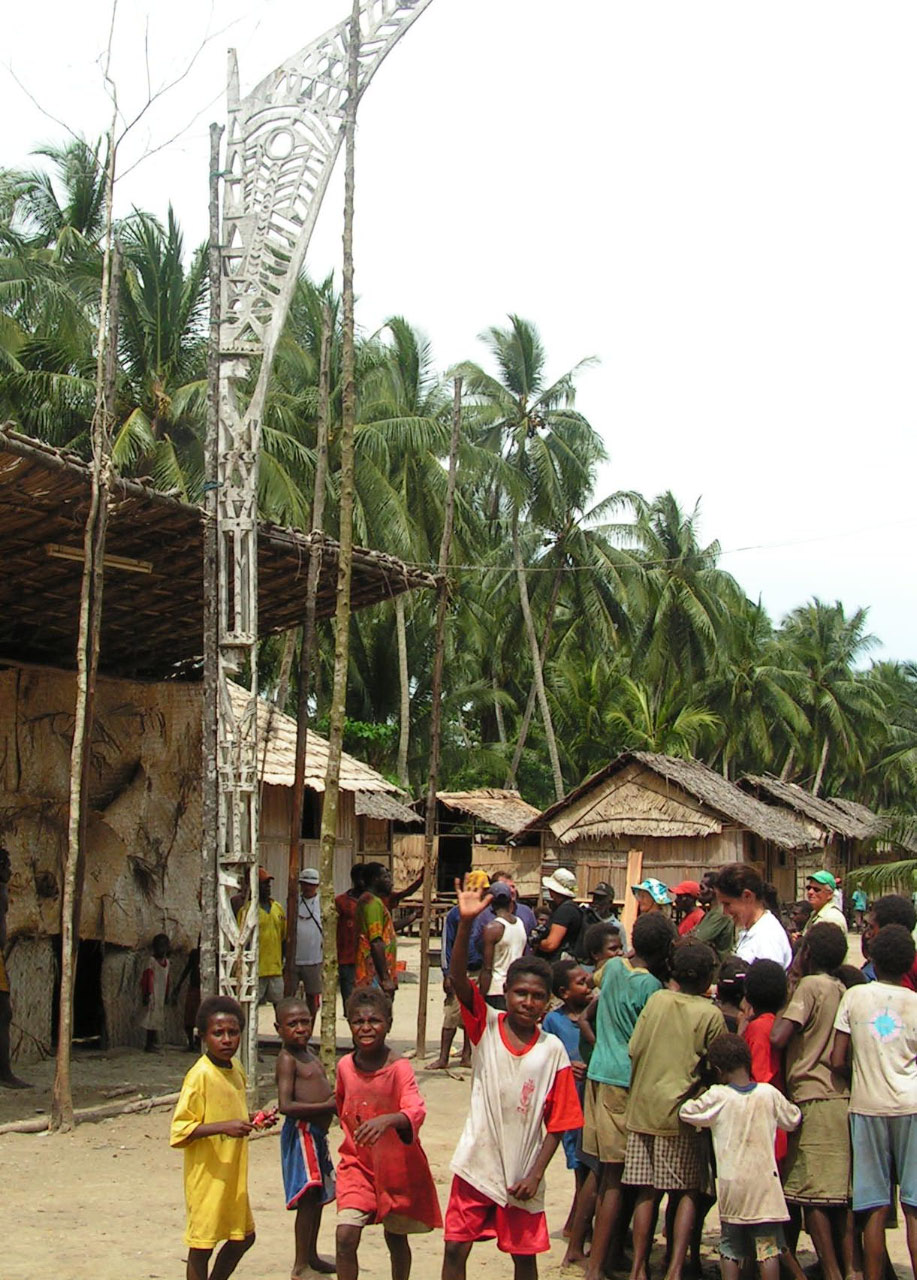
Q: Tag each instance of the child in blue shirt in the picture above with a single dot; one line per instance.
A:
(571, 983)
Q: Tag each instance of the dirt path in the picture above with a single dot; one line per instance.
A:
(106, 1201)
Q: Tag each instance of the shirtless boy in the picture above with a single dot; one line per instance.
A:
(306, 1100)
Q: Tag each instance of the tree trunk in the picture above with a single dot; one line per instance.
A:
(816, 785)
(498, 711)
(530, 700)
(307, 648)
(404, 737)
(209, 701)
(537, 672)
(436, 712)
(87, 659)
(787, 765)
(342, 612)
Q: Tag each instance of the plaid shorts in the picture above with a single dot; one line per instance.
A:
(668, 1162)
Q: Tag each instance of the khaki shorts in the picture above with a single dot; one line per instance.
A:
(452, 1013)
(397, 1224)
(604, 1132)
(817, 1165)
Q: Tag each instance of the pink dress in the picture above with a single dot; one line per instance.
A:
(393, 1176)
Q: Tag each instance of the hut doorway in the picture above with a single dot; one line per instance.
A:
(454, 861)
(88, 1008)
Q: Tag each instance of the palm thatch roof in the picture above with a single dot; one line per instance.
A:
(277, 754)
(152, 614)
(720, 800)
(839, 817)
(377, 804)
(505, 810)
(872, 824)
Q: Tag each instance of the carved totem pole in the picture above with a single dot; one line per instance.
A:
(282, 143)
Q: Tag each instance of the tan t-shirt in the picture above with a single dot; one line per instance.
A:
(813, 1006)
(671, 1036)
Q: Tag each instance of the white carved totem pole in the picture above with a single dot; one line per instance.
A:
(282, 143)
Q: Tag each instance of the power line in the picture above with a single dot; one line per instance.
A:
(657, 564)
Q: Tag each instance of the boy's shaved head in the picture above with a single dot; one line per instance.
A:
(287, 1004)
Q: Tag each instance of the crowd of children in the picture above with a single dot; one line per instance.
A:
(669, 1072)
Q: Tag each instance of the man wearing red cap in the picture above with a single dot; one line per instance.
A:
(686, 895)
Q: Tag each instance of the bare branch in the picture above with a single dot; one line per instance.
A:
(44, 111)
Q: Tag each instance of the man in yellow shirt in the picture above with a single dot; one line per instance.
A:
(272, 931)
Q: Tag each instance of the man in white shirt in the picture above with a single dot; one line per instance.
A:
(309, 937)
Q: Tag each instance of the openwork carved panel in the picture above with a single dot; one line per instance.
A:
(282, 143)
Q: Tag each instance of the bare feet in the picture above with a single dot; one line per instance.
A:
(438, 1065)
(318, 1266)
(465, 1062)
(13, 1082)
(574, 1260)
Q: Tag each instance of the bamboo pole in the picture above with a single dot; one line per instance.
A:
(209, 800)
(306, 650)
(87, 657)
(89, 1115)
(345, 555)
(431, 850)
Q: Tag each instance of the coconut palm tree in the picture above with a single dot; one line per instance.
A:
(551, 451)
(841, 705)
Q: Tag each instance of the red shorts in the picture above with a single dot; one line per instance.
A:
(470, 1215)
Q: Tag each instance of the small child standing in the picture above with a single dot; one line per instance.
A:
(212, 1124)
(306, 1100)
(730, 991)
(383, 1174)
(765, 996)
(876, 1025)
(667, 1048)
(154, 989)
(523, 1097)
(744, 1117)
(601, 942)
(570, 983)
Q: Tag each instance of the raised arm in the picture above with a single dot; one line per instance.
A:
(470, 904)
(398, 894)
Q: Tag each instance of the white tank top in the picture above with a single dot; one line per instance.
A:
(507, 949)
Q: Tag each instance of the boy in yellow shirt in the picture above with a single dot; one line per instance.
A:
(211, 1122)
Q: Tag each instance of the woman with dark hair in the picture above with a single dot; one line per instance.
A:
(760, 935)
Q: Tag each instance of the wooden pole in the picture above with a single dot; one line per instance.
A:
(345, 561)
(87, 654)
(209, 800)
(430, 858)
(306, 651)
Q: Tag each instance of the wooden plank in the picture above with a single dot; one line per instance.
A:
(634, 876)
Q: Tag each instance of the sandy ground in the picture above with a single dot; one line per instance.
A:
(106, 1201)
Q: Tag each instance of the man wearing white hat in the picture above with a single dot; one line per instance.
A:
(566, 919)
(309, 937)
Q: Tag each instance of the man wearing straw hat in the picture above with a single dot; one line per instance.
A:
(566, 919)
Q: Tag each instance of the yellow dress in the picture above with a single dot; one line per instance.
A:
(216, 1168)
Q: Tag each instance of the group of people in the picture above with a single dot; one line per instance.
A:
(713, 1062)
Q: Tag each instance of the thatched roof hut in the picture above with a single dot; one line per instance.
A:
(471, 830)
(681, 814)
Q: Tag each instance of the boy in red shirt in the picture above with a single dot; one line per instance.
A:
(765, 996)
(523, 1097)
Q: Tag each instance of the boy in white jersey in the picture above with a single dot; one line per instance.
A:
(523, 1097)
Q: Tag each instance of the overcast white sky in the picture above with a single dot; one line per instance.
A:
(718, 200)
